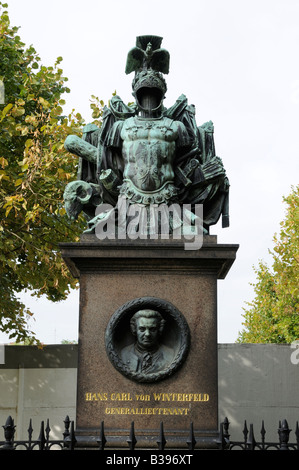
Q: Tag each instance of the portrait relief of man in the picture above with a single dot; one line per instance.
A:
(147, 354)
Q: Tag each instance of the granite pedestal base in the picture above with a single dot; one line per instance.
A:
(114, 273)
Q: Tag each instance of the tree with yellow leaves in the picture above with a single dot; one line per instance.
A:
(34, 170)
(273, 315)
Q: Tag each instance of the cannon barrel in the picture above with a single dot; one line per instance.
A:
(81, 148)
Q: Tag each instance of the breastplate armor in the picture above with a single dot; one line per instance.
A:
(148, 151)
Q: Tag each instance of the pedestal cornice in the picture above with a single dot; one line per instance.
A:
(93, 255)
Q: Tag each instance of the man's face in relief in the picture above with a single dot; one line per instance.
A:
(147, 332)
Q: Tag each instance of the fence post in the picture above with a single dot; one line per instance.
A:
(132, 439)
(297, 435)
(161, 441)
(284, 433)
(102, 439)
(41, 438)
(191, 440)
(223, 440)
(226, 424)
(66, 431)
(30, 432)
(263, 433)
(72, 437)
(48, 430)
(251, 440)
(245, 434)
(9, 432)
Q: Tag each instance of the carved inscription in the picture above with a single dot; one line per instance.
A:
(113, 400)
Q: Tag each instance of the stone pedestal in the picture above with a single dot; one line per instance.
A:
(114, 274)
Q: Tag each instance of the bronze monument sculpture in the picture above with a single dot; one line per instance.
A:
(147, 154)
(147, 339)
(148, 307)
(147, 354)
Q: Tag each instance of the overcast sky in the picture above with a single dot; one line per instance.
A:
(236, 61)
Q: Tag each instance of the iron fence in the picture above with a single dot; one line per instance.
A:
(222, 442)
(250, 443)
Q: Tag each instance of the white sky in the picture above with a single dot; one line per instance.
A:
(236, 61)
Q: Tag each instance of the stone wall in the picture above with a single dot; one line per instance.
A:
(38, 384)
(256, 382)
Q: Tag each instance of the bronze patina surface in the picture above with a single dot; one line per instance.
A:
(147, 153)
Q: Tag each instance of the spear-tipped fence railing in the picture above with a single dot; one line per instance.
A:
(250, 443)
(223, 442)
